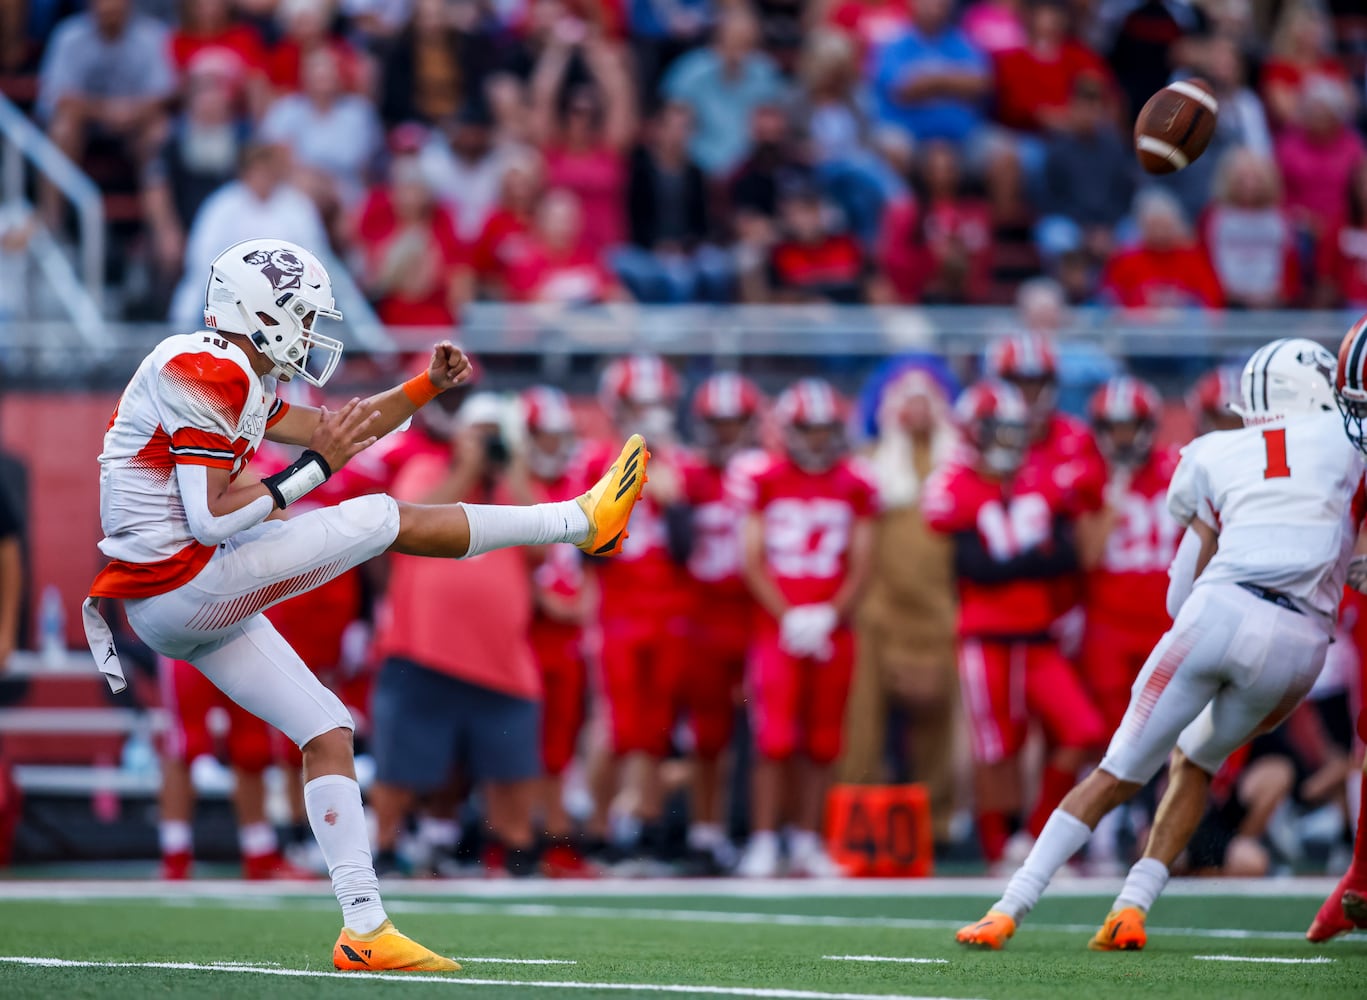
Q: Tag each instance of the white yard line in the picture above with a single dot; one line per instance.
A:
(1265, 960)
(1271, 888)
(458, 980)
(789, 919)
(518, 961)
(886, 958)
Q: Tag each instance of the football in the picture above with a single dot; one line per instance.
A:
(1175, 125)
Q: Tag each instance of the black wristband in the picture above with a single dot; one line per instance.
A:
(309, 471)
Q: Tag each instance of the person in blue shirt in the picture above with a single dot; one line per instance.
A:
(724, 84)
(931, 80)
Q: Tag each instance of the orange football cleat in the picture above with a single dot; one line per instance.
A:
(992, 931)
(1122, 931)
(386, 950)
(609, 502)
(1344, 911)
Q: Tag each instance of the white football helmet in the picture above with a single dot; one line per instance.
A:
(1284, 378)
(274, 292)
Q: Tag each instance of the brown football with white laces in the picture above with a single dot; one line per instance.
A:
(1175, 126)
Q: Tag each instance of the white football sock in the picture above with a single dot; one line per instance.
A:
(174, 835)
(803, 844)
(705, 836)
(437, 832)
(494, 526)
(1062, 837)
(333, 802)
(1142, 885)
(256, 839)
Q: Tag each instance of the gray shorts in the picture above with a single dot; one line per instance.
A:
(428, 724)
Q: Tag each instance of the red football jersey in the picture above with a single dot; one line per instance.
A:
(562, 571)
(1068, 456)
(1130, 586)
(1011, 522)
(808, 522)
(714, 562)
(643, 579)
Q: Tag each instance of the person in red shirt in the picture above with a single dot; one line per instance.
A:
(1034, 82)
(807, 542)
(1013, 538)
(470, 707)
(306, 25)
(645, 600)
(872, 23)
(505, 237)
(811, 263)
(1342, 254)
(207, 26)
(1301, 53)
(725, 414)
(553, 265)
(566, 599)
(1168, 269)
(585, 146)
(416, 269)
(938, 248)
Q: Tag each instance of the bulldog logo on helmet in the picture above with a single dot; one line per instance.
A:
(283, 268)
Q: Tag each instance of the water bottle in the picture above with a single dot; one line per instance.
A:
(51, 627)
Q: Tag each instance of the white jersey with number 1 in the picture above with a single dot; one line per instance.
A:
(1286, 499)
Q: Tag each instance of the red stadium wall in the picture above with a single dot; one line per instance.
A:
(58, 436)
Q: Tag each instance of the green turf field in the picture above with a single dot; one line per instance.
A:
(646, 943)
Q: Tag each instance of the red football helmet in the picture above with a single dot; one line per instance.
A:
(550, 431)
(1213, 398)
(995, 422)
(1028, 361)
(812, 416)
(724, 411)
(1350, 383)
(1124, 414)
(640, 393)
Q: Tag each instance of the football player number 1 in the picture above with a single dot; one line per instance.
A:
(1274, 440)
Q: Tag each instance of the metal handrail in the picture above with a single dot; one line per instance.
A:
(22, 139)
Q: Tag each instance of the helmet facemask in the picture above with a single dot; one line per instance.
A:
(1125, 443)
(1003, 444)
(819, 455)
(1354, 413)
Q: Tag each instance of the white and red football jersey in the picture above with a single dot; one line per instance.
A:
(1286, 498)
(808, 522)
(193, 401)
(1130, 586)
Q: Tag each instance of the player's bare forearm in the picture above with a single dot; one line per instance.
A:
(859, 567)
(1093, 531)
(756, 572)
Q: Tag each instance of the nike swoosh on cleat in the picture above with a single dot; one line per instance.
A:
(604, 549)
(350, 953)
(625, 486)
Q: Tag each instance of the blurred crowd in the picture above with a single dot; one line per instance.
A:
(885, 151)
(956, 588)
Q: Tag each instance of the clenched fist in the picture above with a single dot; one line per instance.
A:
(450, 367)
